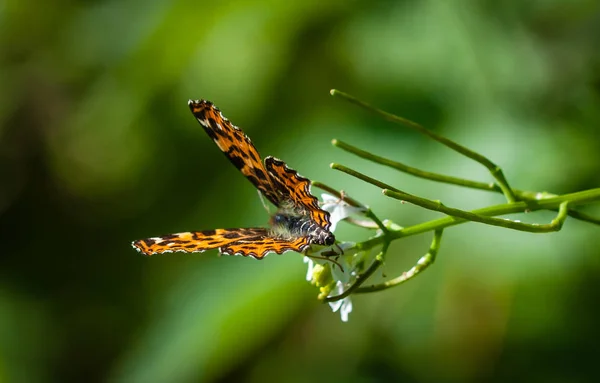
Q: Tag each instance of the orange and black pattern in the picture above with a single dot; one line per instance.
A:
(235, 145)
(290, 185)
(255, 242)
(298, 223)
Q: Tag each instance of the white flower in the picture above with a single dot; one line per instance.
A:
(311, 266)
(335, 275)
(346, 261)
(338, 209)
(333, 279)
(343, 305)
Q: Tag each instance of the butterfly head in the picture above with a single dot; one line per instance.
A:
(328, 238)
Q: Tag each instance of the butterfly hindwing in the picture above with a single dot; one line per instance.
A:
(259, 247)
(254, 242)
(290, 185)
(193, 241)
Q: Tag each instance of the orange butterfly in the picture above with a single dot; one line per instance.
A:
(298, 222)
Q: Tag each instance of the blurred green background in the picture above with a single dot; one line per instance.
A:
(98, 148)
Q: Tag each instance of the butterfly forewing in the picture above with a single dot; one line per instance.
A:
(235, 145)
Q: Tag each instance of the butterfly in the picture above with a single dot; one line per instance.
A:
(298, 223)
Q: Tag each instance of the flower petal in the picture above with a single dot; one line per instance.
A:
(338, 209)
(346, 309)
(311, 266)
(343, 305)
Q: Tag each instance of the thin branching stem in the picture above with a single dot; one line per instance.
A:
(494, 169)
(579, 198)
(436, 177)
(518, 202)
(390, 191)
(414, 171)
(363, 177)
(340, 195)
(555, 225)
(584, 217)
(361, 278)
(423, 263)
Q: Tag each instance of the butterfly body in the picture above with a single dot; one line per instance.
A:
(289, 225)
(298, 223)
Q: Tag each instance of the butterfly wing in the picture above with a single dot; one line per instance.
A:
(254, 242)
(290, 185)
(236, 146)
(259, 247)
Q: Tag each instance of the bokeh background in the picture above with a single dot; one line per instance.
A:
(98, 148)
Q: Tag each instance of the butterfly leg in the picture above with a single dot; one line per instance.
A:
(326, 258)
(331, 253)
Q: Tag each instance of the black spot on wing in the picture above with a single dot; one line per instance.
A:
(260, 174)
(169, 237)
(232, 235)
(214, 125)
(211, 133)
(238, 162)
(253, 157)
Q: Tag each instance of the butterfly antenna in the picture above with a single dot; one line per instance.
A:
(264, 203)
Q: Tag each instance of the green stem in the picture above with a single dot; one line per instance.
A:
(555, 225)
(468, 216)
(436, 177)
(340, 195)
(423, 263)
(414, 171)
(574, 199)
(584, 217)
(360, 279)
(494, 169)
(362, 177)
